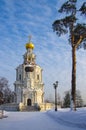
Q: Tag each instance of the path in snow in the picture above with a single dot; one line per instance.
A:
(31, 121)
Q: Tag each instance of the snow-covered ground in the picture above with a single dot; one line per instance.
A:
(63, 119)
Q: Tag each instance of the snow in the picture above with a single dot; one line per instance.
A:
(63, 119)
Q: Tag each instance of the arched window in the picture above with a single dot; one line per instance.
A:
(19, 76)
(37, 76)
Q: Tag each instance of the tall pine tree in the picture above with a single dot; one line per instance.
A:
(77, 35)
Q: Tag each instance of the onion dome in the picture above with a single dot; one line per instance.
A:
(29, 45)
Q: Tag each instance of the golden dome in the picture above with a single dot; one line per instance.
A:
(29, 45)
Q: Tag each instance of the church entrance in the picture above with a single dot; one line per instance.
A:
(28, 102)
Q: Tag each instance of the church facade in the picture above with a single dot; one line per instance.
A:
(29, 86)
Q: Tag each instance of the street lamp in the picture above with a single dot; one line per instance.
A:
(55, 87)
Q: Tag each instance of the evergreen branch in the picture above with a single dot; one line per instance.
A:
(60, 26)
(83, 9)
(68, 7)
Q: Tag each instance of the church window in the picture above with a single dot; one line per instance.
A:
(16, 74)
(19, 76)
(37, 76)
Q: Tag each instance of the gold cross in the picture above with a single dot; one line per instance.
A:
(30, 38)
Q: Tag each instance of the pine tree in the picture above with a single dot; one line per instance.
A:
(77, 34)
(66, 100)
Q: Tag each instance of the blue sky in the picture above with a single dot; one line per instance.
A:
(21, 18)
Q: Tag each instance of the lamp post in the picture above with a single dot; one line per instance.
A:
(55, 87)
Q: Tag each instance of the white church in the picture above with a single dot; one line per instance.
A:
(29, 87)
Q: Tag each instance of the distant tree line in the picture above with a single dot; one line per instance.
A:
(6, 94)
(50, 99)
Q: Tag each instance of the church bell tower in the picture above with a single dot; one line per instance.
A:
(29, 87)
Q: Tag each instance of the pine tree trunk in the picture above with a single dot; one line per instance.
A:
(73, 83)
